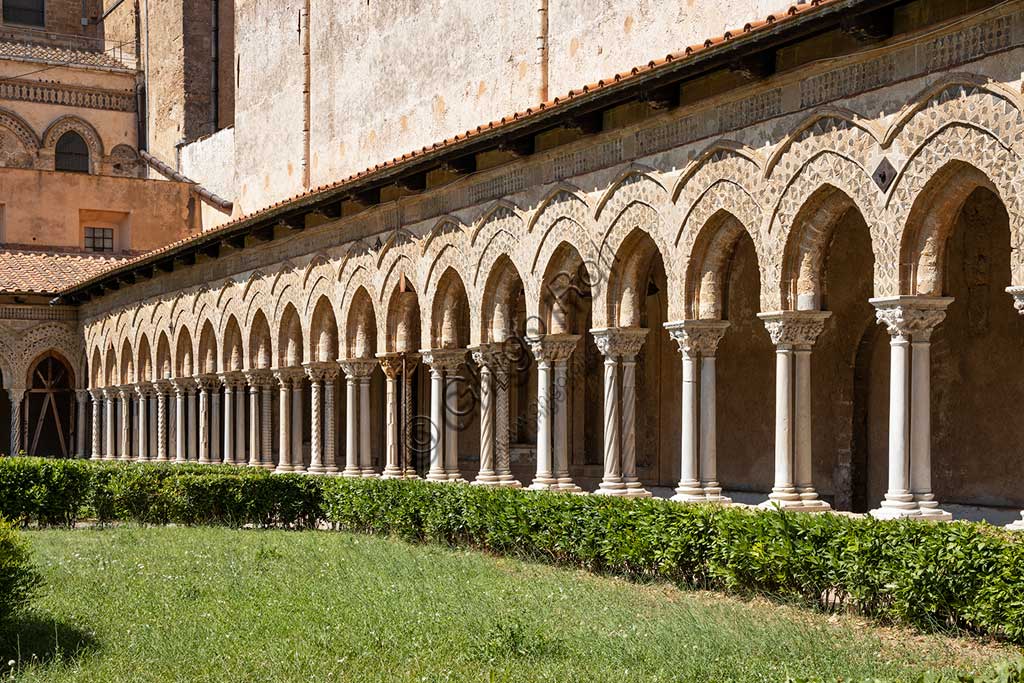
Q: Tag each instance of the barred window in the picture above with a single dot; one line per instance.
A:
(26, 12)
(72, 154)
(99, 239)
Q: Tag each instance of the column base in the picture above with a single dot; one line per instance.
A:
(352, 472)
(896, 505)
(281, 469)
(1016, 525)
(317, 469)
(486, 478)
(713, 493)
(301, 469)
(96, 457)
(392, 472)
(689, 492)
(370, 474)
(437, 475)
(634, 489)
(611, 486)
(930, 509)
(795, 505)
(506, 479)
(163, 459)
(566, 485)
(543, 483)
(267, 465)
(411, 475)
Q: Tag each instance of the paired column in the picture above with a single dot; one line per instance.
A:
(493, 361)
(163, 389)
(16, 395)
(229, 380)
(698, 342)
(910, 321)
(97, 423)
(358, 454)
(125, 393)
(553, 352)
(182, 389)
(321, 378)
(290, 383)
(391, 365)
(205, 385)
(81, 419)
(255, 380)
(444, 413)
(109, 423)
(794, 333)
(143, 391)
(620, 347)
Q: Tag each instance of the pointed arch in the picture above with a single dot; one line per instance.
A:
(628, 280)
(110, 367)
(361, 327)
(706, 267)
(184, 358)
(164, 364)
(500, 211)
(835, 128)
(289, 339)
(260, 347)
(127, 364)
(638, 182)
(323, 334)
(563, 198)
(449, 315)
(567, 282)
(232, 356)
(501, 290)
(403, 320)
(207, 359)
(145, 360)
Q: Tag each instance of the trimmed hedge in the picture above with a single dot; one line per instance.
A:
(955, 576)
(18, 579)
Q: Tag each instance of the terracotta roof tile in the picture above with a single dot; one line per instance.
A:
(770, 21)
(40, 272)
(13, 49)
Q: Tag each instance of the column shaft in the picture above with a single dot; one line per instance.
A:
(284, 463)
(229, 425)
(298, 459)
(487, 475)
(204, 423)
(330, 418)
(161, 424)
(437, 426)
(611, 482)
(392, 470)
(689, 489)
(97, 420)
(351, 427)
(545, 477)
(316, 463)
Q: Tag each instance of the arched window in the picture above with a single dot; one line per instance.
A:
(72, 153)
(26, 12)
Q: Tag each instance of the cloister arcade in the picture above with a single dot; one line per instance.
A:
(770, 322)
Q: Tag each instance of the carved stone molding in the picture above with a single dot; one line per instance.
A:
(697, 336)
(259, 378)
(554, 347)
(444, 360)
(320, 371)
(391, 365)
(620, 342)
(915, 317)
(799, 329)
(1018, 298)
(358, 367)
(144, 390)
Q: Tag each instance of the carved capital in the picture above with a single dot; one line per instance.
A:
(144, 390)
(358, 367)
(444, 360)
(184, 385)
(288, 377)
(1018, 298)
(391, 365)
(799, 329)
(554, 347)
(620, 342)
(320, 371)
(697, 336)
(163, 387)
(259, 378)
(914, 317)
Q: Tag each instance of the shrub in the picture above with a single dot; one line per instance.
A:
(18, 579)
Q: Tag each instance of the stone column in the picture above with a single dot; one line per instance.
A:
(487, 476)
(444, 365)
(391, 365)
(239, 424)
(698, 341)
(143, 391)
(551, 352)
(97, 421)
(351, 423)
(254, 380)
(204, 385)
(1018, 303)
(216, 445)
(284, 379)
(181, 389)
(330, 419)
(16, 396)
(910, 320)
(621, 346)
(298, 462)
(365, 444)
(227, 457)
(793, 333)
(163, 387)
(499, 363)
(124, 448)
(315, 372)
(193, 427)
(81, 419)
(357, 424)
(408, 411)
(267, 422)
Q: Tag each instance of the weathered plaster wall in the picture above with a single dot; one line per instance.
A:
(44, 208)
(213, 158)
(591, 40)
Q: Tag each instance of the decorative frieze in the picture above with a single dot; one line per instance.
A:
(970, 43)
(50, 92)
(855, 78)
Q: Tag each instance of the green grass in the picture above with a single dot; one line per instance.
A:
(181, 604)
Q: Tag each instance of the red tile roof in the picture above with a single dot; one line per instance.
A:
(573, 95)
(41, 272)
(38, 52)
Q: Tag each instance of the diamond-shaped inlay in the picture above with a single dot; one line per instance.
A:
(884, 174)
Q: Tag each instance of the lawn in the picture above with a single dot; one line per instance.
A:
(191, 604)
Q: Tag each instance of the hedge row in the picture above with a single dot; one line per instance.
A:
(18, 578)
(950, 576)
